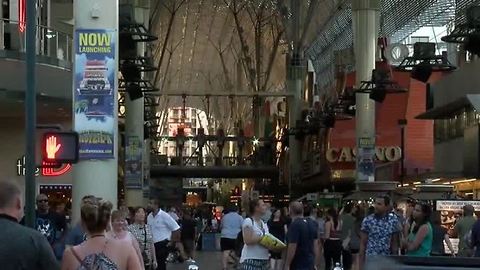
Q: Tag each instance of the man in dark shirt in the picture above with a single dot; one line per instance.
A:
(188, 234)
(476, 237)
(22, 248)
(77, 235)
(302, 238)
(49, 223)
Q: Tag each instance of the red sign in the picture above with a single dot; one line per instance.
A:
(49, 172)
(60, 147)
(21, 16)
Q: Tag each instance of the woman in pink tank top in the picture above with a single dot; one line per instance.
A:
(120, 233)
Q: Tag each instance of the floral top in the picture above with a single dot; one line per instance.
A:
(144, 236)
(380, 231)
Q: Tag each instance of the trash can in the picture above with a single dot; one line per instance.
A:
(209, 241)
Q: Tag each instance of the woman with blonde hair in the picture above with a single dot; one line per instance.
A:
(98, 251)
(120, 232)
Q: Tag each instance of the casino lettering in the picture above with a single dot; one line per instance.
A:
(347, 154)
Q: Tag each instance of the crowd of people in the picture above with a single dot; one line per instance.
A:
(347, 239)
(104, 238)
(145, 238)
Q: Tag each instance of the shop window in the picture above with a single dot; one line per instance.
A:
(454, 127)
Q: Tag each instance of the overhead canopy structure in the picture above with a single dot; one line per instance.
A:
(399, 19)
(447, 110)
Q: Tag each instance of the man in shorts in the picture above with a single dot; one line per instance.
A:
(231, 226)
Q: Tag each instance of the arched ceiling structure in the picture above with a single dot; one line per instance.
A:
(230, 46)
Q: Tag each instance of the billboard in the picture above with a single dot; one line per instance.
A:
(133, 162)
(94, 92)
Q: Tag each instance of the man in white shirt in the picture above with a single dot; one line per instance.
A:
(164, 229)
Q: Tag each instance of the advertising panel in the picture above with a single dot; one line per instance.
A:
(451, 211)
(366, 159)
(133, 162)
(94, 92)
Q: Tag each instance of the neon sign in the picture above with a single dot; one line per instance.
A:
(60, 147)
(49, 172)
(21, 16)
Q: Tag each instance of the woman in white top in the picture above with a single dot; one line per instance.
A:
(254, 256)
(120, 233)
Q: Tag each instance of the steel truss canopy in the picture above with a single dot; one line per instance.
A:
(399, 19)
(222, 94)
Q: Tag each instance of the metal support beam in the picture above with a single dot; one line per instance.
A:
(270, 172)
(222, 94)
(30, 115)
(365, 28)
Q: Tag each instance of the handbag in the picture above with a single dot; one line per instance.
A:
(146, 258)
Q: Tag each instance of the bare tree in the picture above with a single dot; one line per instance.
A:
(172, 6)
(262, 17)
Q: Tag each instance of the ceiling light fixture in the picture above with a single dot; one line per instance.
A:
(380, 85)
(464, 181)
(424, 62)
(467, 33)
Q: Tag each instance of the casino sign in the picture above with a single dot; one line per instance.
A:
(348, 154)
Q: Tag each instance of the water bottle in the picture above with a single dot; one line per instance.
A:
(337, 266)
(192, 265)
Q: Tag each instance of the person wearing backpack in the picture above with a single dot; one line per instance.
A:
(462, 228)
(98, 251)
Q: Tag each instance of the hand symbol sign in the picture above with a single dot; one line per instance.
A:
(52, 147)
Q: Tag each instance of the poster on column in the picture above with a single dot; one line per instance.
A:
(133, 162)
(366, 159)
(94, 92)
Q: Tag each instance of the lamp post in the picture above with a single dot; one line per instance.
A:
(402, 123)
(30, 115)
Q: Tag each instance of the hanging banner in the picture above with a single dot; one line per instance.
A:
(456, 205)
(94, 92)
(133, 162)
(366, 159)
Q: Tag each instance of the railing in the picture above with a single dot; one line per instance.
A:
(50, 42)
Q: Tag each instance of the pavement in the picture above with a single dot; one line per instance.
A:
(206, 260)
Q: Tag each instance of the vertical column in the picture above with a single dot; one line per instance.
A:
(365, 30)
(134, 115)
(295, 81)
(95, 112)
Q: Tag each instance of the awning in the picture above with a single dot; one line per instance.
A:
(432, 196)
(447, 110)
(365, 195)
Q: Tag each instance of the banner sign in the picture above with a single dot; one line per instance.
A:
(366, 159)
(456, 205)
(133, 162)
(94, 92)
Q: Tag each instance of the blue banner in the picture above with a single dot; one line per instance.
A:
(133, 162)
(366, 159)
(94, 92)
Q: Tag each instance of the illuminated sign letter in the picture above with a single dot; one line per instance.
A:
(393, 153)
(332, 154)
(345, 155)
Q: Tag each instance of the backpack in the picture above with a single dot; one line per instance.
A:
(98, 261)
(468, 238)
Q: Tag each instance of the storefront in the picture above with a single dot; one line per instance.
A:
(456, 116)
(418, 139)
